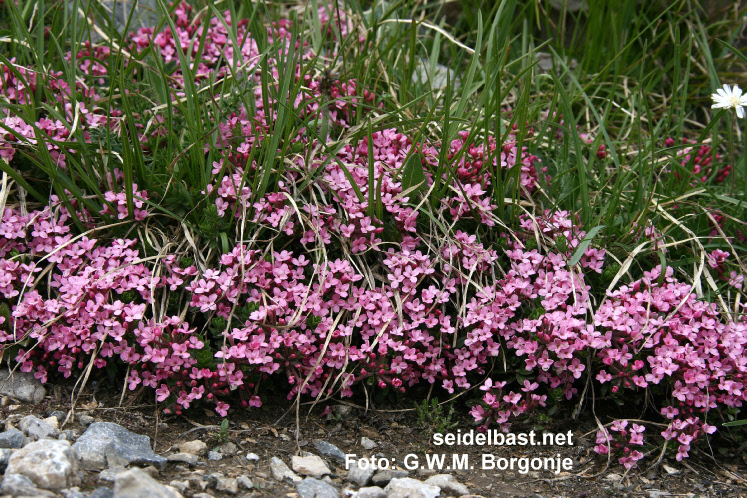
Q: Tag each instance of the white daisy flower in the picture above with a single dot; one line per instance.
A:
(730, 97)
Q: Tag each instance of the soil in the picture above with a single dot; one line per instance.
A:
(271, 431)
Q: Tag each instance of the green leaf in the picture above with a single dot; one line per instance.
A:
(736, 423)
(412, 174)
(584, 244)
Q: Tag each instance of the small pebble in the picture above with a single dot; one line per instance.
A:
(368, 443)
(85, 420)
(245, 482)
(187, 458)
(181, 486)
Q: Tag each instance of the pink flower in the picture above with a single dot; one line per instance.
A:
(162, 393)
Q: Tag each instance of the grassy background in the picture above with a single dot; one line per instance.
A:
(628, 75)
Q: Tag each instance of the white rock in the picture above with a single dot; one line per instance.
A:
(136, 483)
(371, 492)
(408, 487)
(383, 477)
(368, 443)
(195, 447)
(49, 464)
(671, 470)
(252, 457)
(52, 421)
(281, 472)
(312, 466)
(245, 482)
(110, 474)
(18, 485)
(448, 484)
(181, 486)
(612, 477)
(227, 485)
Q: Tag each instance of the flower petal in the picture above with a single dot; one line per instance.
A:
(740, 111)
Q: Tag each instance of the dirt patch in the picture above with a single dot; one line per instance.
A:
(399, 438)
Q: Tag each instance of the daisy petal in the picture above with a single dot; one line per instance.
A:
(740, 111)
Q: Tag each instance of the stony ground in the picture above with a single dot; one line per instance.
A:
(102, 450)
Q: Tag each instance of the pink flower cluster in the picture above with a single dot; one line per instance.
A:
(702, 162)
(354, 287)
(621, 441)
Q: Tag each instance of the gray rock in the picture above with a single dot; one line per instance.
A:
(342, 411)
(329, 450)
(314, 488)
(195, 447)
(228, 449)
(36, 428)
(252, 457)
(448, 484)
(227, 485)
(4, 458)
(145, 14)
(60, 416)
(436, 75)
(85, 420)
(245, 482)
(49, 463)
(19, 485)
(12, 439)
(215, 456)
(22, 386)
(382, 477)
(212, 479)
(70, 434)
(188, 458)
(105, 444)
(102, 493)
(281, 472)
(371, 492)
(136, 483)
(368, 443)
(407, 487)
(311, 465)
(262, 483)
(180, 486)
(73, 492)
(359, 475)
(198, 481)
(52, 421)
(110, 474)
